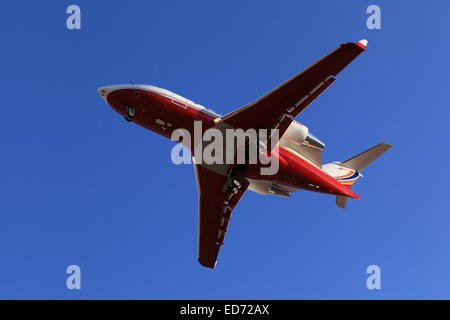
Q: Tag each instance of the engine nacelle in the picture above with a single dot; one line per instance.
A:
(296, 133)
(267, 187)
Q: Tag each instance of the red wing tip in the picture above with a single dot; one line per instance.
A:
(208, 264)
(362, 44)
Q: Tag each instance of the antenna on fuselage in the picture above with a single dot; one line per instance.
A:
(132, 82)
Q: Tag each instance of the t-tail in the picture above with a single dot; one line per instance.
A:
(348, 171)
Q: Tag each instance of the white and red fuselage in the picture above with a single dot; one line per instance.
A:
(297, 154)
(163, 111)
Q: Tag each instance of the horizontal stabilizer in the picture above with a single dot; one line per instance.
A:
(349, 170)
(362, 160)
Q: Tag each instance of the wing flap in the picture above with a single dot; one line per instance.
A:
(215, 209)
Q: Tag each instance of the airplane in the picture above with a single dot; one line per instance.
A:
(221, 186)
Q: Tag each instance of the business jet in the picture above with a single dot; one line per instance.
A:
(298, 151)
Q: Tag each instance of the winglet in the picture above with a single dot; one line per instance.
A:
(362, 44)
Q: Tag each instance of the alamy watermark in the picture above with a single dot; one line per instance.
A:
(73, 21)
(374, 20)
(227, 146)
(374, 280)
(74, 280)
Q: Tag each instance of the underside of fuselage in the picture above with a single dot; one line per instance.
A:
(295, 159)
(156, 109)
(164, 112)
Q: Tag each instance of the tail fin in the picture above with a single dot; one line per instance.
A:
(349, 170)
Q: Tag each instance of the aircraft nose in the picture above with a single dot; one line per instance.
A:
(105, 91)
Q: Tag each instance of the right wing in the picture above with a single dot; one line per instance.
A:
(293, 96)
(214, 213)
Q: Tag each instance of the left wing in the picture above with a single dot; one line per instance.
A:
(276, 109)
(215, 207)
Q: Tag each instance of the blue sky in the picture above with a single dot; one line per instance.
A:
(81, 186)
